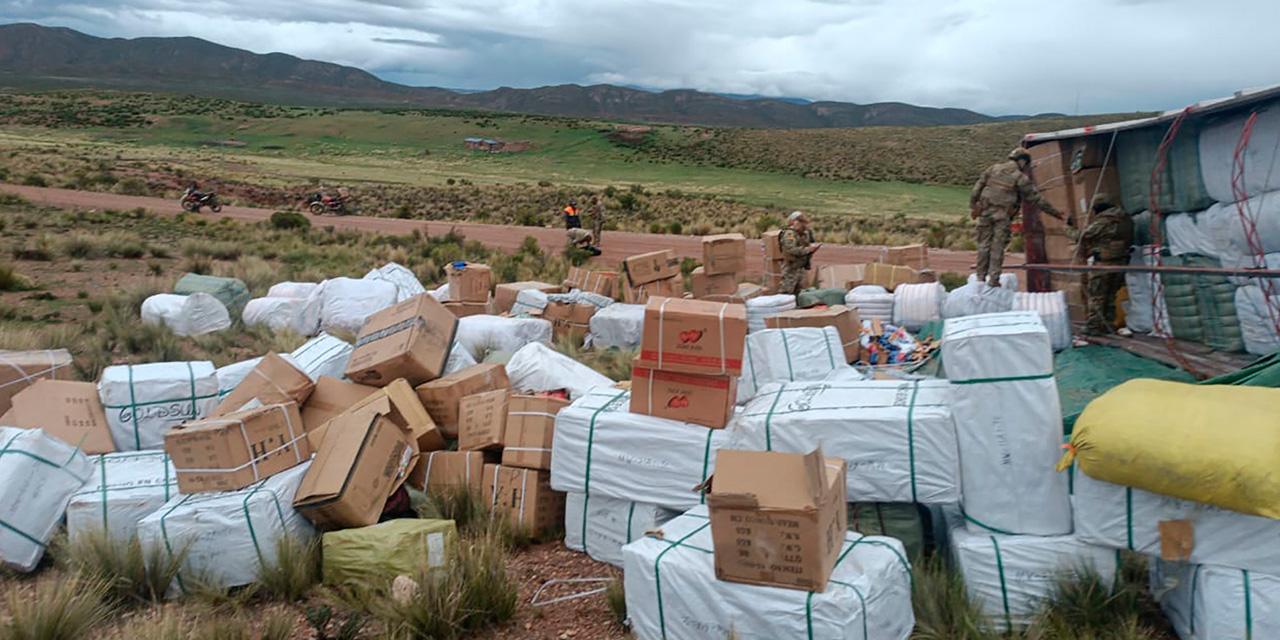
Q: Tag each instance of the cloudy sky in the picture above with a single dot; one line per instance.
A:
(994, 56)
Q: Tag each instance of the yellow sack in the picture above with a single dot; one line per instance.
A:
(1215, 444)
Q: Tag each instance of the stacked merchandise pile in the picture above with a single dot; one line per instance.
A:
(651, 275)
(724, 263)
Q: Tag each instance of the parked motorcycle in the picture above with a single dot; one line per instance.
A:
(321, 204)
(193, 201)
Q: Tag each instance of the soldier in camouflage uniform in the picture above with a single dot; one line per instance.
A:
(996, 198)
(798, 248)
(597, 219)
(1106, 240)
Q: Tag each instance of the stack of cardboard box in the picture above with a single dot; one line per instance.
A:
(569, 320)
(773, 263)
(469, 286)
(914, 256)
(690, 358)
(724, 261)
(504, 295)
(1068, 174)
(604, 283)
(649, 275)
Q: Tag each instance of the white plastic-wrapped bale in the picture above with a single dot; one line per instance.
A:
(38, 475)
(673, 593)
(459, 359)
(915, 305)
(280, 314)
(578, 296)
(1116, 517)
(123, 488)
(1207, 602)
(600, 526)
(292, 290)
(229, 535)
(483, 334)
(799, 354)
(1140, 312)
(1051, 306)
(897, 437)
(1008, 423)
(600, 448)
(1258, 320)
(406, 283)
(1203, 233)
(144, 401)
(440, 293)
(873, 302)
(191, 315)
(1010, 576)
(763, 307)
(1008, 280)
(530, 301)
(323, 355)
(618, 325)
(345, 303)
(1219, 151)
(977, 298)
(537, 367)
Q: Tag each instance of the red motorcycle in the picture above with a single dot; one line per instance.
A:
(322, 203)
(193, 201)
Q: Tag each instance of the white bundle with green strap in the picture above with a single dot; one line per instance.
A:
(123, 488)
(228, 536)
(600, 448)
(1208, 602)
(1008, 423)
(38, 475)
(144, 401)
(1117, 517)
(897, 437)
(600, 526)
(798, 354)
(406, 282)
(323, 355)
(1010, 577)
(673, 593)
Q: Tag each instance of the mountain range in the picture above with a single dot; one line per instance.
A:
(35, 56)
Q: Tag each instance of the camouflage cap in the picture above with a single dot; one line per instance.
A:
(1102, 199)
(798, 215)
(1019, 153)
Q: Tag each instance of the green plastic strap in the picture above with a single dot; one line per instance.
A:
(791, 373)
(191, 376)
(133, 409)
(586, 472)
(768, 420)
(248, 519)
(911, 440)
(164, 534)
(102, 463)
(1248, 609)
(1042, 376)
(830, 357)
(706, 465)
(969, 518)
(165, 462)
(1195, 578)
(1004, 591)
(631, 512)
(751, 360)
(22, 534)
(657, 575)
(1128, 514)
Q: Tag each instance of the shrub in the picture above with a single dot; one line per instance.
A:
(952, 280)
(656, 227)
(278, 625)
(35, 180)
(296, 569)
(62, 609)
(133, 186)
(40, 249)
(942, 606)
(289, 220)
(616, 597)
(131, 574)
(11, 280)
(12, 199)
(675, 228)
(468, 509)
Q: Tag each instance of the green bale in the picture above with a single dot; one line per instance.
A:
(383, 551)
(896, 520)
(814, 297)
(229, 291)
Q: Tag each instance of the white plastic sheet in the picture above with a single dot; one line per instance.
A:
(1261, 157)
(601, 448)
(1207, 602)
(345, 303)
(229, 535)
(537, 367)
(915, 305)
(788, 355)
(123, 488)
(406, 283)
(897, 437)
(323, 355)
(192, 315)
(1008, 423)
(873, 302)
(292, 290)
(1205, 233)
(280, 314)
(1051, 306)
(673, 593)
(38, 474)
(762, 307)
(529, 301)
(1257, 326)
(1140, 312)
(459, 359)
(618, 325)
(482, 334)
(1008, 280)
(440, 293)
(1011, 576)
(977, 298)
(600, 526)
(144, 401)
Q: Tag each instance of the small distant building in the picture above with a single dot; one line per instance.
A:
(489, 145)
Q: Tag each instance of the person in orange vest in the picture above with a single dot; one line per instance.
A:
(572, 217)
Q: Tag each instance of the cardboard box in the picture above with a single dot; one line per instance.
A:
(651, 267)
(839, 276)
(777, 519)
(604, 283)
(406, 412)
(467, 309)
(889, 276)
(772, 245)
(693, 336)
(1050, 165)
(1061, 198)
(702, 284)
(238, 449)
(449, 471)
(69, 411)
(745, 292)
(1090, 152)
(1087, 182)
(569, 320)
(20, 369)
(410, 340)
(525, 495)
(482, 420)
(844, 319)
(686, 397)
(274, 381)
(666, 288)
(469, 282)
(365, 457)
(531, 424)
(1074, 284)
(915, 256)
(504, 295)
(724, 254)
(328, 400)
(1058, 246)
(441, 396)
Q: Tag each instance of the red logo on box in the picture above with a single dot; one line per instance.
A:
(678, 402)
(691, 336)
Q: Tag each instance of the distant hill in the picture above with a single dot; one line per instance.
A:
(34, 56)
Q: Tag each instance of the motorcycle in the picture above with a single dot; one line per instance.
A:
(321, 204)
(193, 201)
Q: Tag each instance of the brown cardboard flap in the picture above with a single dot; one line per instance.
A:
(1177, 540)
(69, 411)
(273, 381)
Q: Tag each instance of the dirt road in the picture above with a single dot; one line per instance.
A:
(617, 245)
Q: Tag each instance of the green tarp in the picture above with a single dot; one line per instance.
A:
(1264, 372)
(814, 297)
(383, 551)
(1085, 373)
(229, 291)
(1202, 307)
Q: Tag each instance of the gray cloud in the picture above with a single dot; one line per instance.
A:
(990, 55)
